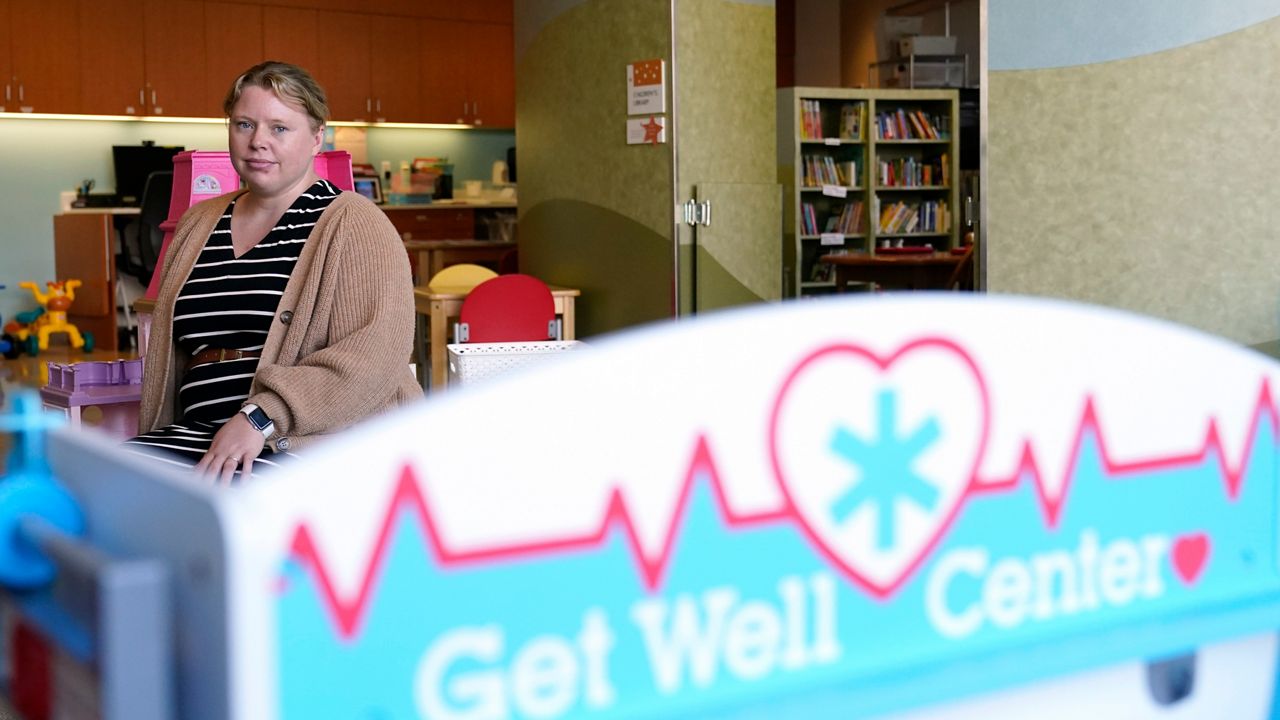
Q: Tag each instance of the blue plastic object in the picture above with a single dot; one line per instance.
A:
(29, 489)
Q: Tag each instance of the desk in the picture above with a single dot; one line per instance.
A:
(434, 255)
(913, 272)
(438, 305)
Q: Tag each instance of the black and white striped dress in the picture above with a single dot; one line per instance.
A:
(229, 302)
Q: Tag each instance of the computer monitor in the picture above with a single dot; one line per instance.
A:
(133, 163)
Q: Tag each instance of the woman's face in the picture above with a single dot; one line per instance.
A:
(272, 144)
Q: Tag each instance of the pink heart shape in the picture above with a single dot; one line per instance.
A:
(1190, 554)
(830, 421)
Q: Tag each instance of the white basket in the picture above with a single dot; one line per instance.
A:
(469, 362)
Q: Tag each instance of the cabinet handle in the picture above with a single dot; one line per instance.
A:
(21, 95)
(153, 98)
(368, 105)
(379, 104)
(142, 98)
(465, 106)
(8, 92)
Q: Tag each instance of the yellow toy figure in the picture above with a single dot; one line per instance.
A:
(55, 303)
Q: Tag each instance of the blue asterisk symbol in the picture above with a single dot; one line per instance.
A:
(886, 461)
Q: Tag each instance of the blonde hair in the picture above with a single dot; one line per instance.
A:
(289, 82)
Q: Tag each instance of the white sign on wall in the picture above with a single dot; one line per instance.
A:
(647, 130)
(646, 87)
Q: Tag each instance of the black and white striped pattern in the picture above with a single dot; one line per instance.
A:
(229, 302)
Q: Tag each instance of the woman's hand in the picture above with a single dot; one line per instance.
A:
(236, 444)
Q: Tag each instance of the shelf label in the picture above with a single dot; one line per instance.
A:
(831, 239)
(646, 87)
(834, 191)
(831, 141)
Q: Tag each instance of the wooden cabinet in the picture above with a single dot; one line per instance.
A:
(468, 73)
(359, 70)
(233, 43)
(492, 76)
(395, 83)
(111, 65)
(437, 224)
(493, 11)
(82, 250)
(289, 35)
(144, 59)
(344, 64)
(174, 59)
(178, 57)
(6, 65)
(43, 56)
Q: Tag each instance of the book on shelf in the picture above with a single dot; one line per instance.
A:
(903, 124)
(825, 170)
(853, 117)
(808, 219)
(929, 216)
(820, 272)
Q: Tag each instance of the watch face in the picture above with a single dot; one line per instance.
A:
(258, 418)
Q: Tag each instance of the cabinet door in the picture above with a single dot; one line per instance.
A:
(45, 35)
(175, 60)
(233, 44)
(343, 66)
(111, 74)
(496, 11)
(444, 73)
(8, 100)
(491, 63)
(82, 250)
(289, 35)
(395, 83)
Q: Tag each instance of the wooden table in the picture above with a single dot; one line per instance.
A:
(925, 271)
(434, 255)
(437, 306)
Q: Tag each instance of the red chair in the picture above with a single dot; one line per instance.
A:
(508, 308)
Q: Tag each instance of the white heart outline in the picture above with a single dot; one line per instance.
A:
(880, 590)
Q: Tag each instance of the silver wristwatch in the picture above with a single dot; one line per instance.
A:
(259, 420)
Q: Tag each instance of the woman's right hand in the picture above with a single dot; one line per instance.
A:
(236, 445)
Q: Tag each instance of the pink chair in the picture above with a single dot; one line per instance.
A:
(508, 308)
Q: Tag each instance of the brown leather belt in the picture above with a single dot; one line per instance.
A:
(212, 355)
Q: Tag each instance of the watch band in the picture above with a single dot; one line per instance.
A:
(259, 420)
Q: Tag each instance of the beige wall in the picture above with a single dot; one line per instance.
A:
(1144, 183)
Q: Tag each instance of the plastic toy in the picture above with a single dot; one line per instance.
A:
(114, 387)
(52, 319)
(5, 343)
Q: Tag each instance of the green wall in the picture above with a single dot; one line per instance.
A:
(595, 213)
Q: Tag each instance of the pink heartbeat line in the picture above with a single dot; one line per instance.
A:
(348, 613)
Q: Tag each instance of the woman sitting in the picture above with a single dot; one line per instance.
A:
(285, 309)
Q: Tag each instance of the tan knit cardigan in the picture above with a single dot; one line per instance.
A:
(339, 345)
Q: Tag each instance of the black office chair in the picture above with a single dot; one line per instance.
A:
(141, 239)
